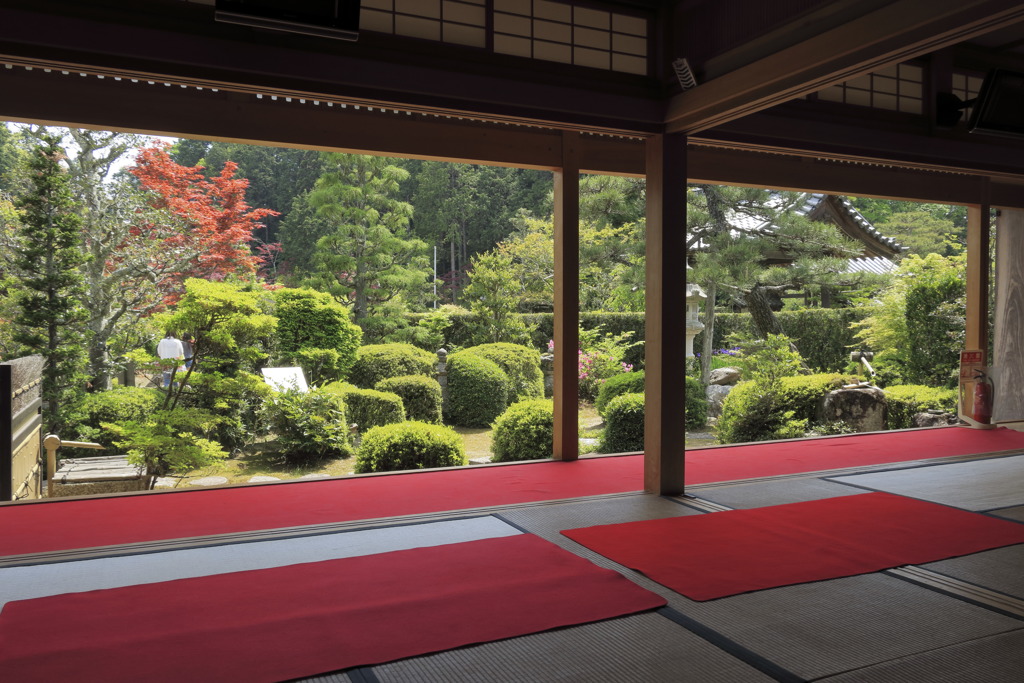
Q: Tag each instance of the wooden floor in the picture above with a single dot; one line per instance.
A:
(956, 620)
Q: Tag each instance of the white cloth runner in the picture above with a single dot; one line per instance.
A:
(20, 583)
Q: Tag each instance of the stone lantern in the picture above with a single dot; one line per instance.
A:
(694, 295)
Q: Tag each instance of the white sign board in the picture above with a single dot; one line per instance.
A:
(285, 379)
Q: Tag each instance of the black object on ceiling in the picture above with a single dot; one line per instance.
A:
(338, 19)
(999, 109)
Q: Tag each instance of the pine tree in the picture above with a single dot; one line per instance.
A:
(369, 260)
(47, 255)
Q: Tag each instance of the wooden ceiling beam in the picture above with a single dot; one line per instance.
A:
(180, 42)
(899, 31)
(174, 111)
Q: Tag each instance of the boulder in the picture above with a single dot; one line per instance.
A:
(716, 394)
(933, 419)
(862, 408)
(725, 376)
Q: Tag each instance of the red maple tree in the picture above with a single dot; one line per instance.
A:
(219, 223)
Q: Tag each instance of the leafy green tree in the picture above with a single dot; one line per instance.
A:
(46, 257)
(369, 260)
(494, 292)
(916, 326)
(300, 231)
(923, 233)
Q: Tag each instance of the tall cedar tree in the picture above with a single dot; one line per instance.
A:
(370, 259)
(47, 257)
(221, 222)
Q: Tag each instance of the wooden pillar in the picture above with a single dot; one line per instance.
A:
(1008, 341)
(665, 362)
(978, 265)
(567, 300)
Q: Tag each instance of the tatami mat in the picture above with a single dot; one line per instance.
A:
(644, 648)
(994, 659)
(813, 630)
(761, 494)
(1014, 513)
(824, 628)
(999, 569)
(975, 485)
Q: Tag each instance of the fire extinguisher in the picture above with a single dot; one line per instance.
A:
(982, 398)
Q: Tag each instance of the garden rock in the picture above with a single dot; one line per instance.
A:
(716, 394)
(725, 376)
(262, 478)
(862, 408)
(933, 419)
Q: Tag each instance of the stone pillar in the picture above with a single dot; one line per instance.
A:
(547, 366)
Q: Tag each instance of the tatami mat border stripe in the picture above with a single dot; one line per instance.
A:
(696, 503)
(762, 664)
(1007, 605)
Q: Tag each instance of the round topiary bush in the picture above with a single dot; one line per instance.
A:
(696, 404)
(524, 432)
(520, 363)
(626, 383)
(624, 424)
(381, 361)
(420, 395)
(368, 407)
(477, 390)
(122, 404)
(409, 446)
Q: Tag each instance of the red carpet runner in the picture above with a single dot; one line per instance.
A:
(724, 553)
(301, 620)
(61, 525)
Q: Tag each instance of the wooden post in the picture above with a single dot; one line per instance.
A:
(665, 362)
(567, 300)
(978, 264)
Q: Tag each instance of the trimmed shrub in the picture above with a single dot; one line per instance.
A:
(309, 321)
(409, 446)
(626, 383)
(524, 432)
(310, 426)
(624, 424)
(521, 364)
(368, 407)
(420, 395)
(696, 404)
(757, 411)
(904, 401)
(381, 361)
(123, 404)
(477, 390)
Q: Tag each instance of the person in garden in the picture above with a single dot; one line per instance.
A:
(170, 348)
(186, 343)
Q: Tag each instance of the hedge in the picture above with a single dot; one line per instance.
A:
(823, 335)
(368, 407)
(624, 424)
(521, 364)
(478, 390)
(626, 383)
(381, 361)
(902, 402)
(696, 404)
(753, 413)
(409, 446)
(524, 432)
(421, 396)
